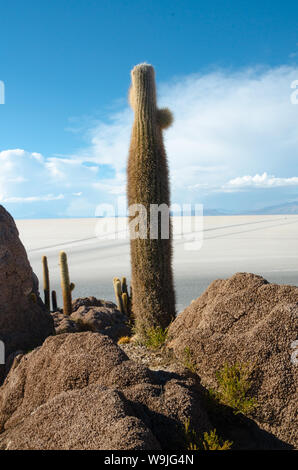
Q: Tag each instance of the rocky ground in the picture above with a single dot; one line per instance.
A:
(227, 364)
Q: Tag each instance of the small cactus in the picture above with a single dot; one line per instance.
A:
(46, 282)
(118, 293)
(54, 301)
(125, 302)
(65, 284)
(123, 299)
(124, 286)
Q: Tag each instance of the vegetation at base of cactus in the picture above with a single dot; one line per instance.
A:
(209, 440)
(54, 301)
(234, 388)
(155, 337)
(33, 297)
(65, 284)
(46, 282)
(124, 340)
(153, 302)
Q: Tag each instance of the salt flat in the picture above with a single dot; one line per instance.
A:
(266, 245)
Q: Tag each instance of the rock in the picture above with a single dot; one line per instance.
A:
(64, 324)
(80, 391)
(24, 320)
(245, 319)
(108, 321)
(92, 302)
(91, 314)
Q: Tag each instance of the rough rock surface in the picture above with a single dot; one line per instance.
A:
(24, 322)
(91, 314)
(80, 391)
(64, 324)
(246, 319)
(92, 302)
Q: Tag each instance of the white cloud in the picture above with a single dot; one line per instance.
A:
(49, 197)
(261, 181)
(227, 123)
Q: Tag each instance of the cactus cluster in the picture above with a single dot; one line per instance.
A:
(123, 299)
(67, 286)
(153, 302)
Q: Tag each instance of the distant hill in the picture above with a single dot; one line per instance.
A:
(289, 208)
(217, 212)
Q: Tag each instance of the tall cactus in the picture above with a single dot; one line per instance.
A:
(46, 282)
(65, 284)
(153, 302)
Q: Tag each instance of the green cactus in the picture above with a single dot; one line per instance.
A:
(54, 301)
(46, 282)
(65, 284)
(125, 302)
(124, 285)
(153, 302)
(118, 293)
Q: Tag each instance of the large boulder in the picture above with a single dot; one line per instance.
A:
(246, 320)
(81, 391)
(24, 320)
(91, 314)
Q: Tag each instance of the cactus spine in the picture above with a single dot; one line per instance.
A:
(65, 284)
(54, 301)
(153, 302)
(46, 282)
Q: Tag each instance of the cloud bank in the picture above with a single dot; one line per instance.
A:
(233, 131)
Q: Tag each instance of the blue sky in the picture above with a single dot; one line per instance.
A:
(225, 68)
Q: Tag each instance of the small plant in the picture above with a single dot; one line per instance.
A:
(155, 337)
(233, 388)
(124, 340)
(188, 360)
(209, 440)
(213, 442)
